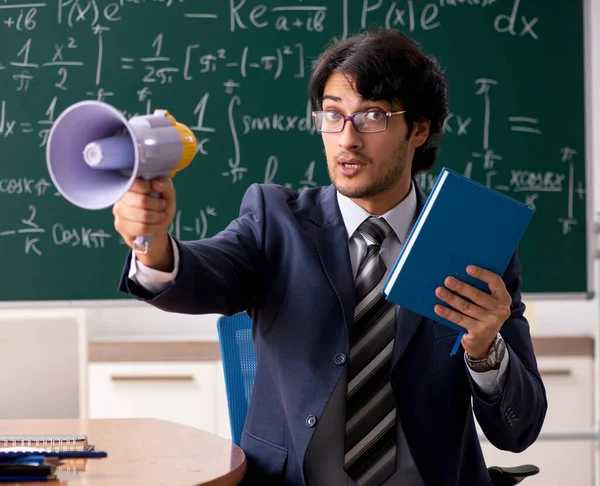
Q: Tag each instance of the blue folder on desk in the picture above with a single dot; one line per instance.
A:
(462, 223)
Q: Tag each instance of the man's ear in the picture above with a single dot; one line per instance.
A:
(420, 132)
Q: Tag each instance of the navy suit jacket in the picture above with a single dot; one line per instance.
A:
(285, 261)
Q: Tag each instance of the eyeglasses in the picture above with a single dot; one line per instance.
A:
(364, 121)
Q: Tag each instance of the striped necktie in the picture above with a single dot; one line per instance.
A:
(370, 449)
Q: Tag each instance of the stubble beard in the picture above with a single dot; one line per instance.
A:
(379, 186)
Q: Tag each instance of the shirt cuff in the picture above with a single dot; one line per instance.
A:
(491, 383)
(154, 281)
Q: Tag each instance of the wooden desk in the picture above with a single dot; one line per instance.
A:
(143, 452)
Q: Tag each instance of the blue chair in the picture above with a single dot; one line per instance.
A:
(239, 367)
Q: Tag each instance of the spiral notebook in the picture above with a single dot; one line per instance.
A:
(50, 443)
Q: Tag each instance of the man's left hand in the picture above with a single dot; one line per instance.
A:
(482, 315)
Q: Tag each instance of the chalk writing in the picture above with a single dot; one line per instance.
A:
(236, 72)
(36, 237)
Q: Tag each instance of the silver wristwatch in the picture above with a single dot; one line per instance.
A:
(492, 360)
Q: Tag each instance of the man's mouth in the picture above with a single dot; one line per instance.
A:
(350, 167)
(351, 163)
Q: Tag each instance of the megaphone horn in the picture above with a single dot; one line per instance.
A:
(94, 154)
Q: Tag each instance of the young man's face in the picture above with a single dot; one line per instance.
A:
(372, 168)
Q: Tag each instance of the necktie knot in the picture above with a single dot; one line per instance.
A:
(375, 230)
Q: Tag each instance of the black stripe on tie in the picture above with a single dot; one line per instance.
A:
(376, 340)
(359, 430)
(364, 283)
(370, 456)
(379, 378)
(372, 313)
(375, 229)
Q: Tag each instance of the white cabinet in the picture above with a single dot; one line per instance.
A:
(184, 392)
(569, 387)
(42, 363)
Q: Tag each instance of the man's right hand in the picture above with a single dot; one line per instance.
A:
(138, 213)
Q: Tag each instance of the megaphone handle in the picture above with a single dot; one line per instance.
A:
(144, 242)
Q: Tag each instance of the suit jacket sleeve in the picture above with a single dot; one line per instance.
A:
(513, 420)
(222, 274)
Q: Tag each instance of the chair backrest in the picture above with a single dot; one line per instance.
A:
(239, 367)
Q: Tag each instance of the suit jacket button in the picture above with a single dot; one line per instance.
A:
(339, 359)
(311, 420)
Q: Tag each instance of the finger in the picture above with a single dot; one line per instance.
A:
(143, 216)
(456, 317)
(165, 188)
(464, 306)
(141, 186)
(143, 201)
(494, 281)
(129, 230)
(480, 298)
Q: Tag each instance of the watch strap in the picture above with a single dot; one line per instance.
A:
(492, 361)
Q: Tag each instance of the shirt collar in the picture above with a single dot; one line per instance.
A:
(400, 217)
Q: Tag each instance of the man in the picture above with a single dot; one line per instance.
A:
(351, 389)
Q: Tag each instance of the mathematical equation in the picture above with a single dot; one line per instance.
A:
(242, 15)
(35, 238)
(9, 127)
(156, 68)
(406, 15)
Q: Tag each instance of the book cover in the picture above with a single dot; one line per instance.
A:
(462, 223)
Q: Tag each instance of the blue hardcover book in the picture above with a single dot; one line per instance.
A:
(462, 223)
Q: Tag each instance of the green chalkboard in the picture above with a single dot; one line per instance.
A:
(236, 71)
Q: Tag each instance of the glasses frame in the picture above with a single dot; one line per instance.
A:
(350, 118)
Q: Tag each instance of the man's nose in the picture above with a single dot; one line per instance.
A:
(350, 138)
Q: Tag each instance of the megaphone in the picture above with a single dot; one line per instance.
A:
(94, 153)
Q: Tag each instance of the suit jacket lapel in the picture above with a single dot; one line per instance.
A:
(406, 325)
(406, 320)
(327, 231)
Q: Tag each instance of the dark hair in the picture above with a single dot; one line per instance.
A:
(387, 65)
